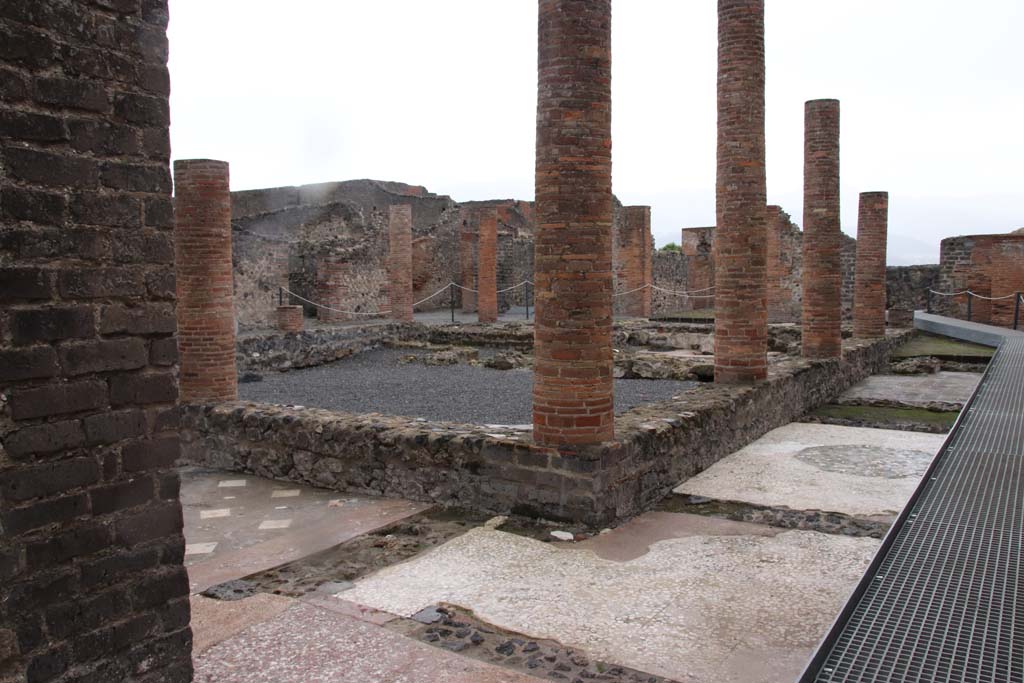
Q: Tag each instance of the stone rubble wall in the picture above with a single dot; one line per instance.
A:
(498, 469)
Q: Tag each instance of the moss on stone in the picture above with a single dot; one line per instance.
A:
(943, 348)
(878, 414)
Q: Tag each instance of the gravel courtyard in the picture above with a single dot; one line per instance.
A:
(376, 382)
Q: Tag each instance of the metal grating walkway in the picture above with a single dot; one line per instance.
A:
(944, 598)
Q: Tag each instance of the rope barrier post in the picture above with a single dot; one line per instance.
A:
(970, 299)
(280, 296)
(928, 306)
(527, 300)
(451, 299)
(1016, 310)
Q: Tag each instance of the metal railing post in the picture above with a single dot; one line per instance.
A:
(527, 300)
(928, 306)
(451, 299)
(280, 296)
(970, 300)
(1016, 309)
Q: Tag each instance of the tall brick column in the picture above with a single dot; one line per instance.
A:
(206, 302)
(333, 273)
(869, 280)
(635, 245)
(572, 390)
(741, 296)
(822, 276)
(400, 261)
(92, 585)
(487, 267)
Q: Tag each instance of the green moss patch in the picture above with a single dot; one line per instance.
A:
(882, 415)
(943, 348)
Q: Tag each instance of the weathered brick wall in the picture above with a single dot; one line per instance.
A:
(785, 265)
(669, 270)
(92, 585)
(907, 286)
(333, 273)
(1007, 272)
(632, 262)
(964, 264)
(290, 318)
(740, 252)
(869, 292)
(822, 242)
(468, 250)
(698, 246)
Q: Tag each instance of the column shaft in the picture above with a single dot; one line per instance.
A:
(572, 391)
(205, 289)
(487, 267)
(869, 280)
(400, 262)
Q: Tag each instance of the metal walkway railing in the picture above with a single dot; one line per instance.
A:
(943, 599)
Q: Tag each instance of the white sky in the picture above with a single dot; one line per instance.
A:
(442, 94)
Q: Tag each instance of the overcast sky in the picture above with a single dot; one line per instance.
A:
(443, 93)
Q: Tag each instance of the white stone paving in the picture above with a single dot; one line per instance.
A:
(701, 608)
(275, 524)
(214, 514)
(851, 470)
(199, 548)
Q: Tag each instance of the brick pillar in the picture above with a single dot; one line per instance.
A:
(332, 277)
(400, 262)
(869, 280)
(487, 267)
(1007, 277)
(206, 302)
(290, 319)
(467, 265)
(822, 276)
(741, 299)
(92, 584)
(635, 259)
(572, 390)
(647, 301)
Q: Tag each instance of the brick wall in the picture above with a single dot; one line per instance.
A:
(740, 252)
(92, 585)
(632, 262)
(202, 255)
(400, 262)
(467, 267)
(785, 265)
(964, 263)
(1007, 272)
(822, 242)
(869, 292)
(572, 394)
(333, 273)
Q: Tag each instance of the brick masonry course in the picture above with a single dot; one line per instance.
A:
(400, 262)
(92, 586)
(487, 267)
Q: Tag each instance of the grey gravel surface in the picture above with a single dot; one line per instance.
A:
(375, 382)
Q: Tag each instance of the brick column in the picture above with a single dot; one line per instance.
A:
(487, 267)
(290, 319)
(635, 257)
(332, 277)
(741, 299)
(822, 276)
(869, 280)
(572, 390)
(467, 265)
(647, 300)
(206, 303)
(1007, 276)
(400, 262)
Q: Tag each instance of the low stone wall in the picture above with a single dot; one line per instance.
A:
(501, 471)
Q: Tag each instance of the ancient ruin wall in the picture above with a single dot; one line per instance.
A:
(467, 466)
(964, 263)
(92, 585)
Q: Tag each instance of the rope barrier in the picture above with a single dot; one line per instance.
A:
(450, 284)
(509, 289)
(440, 291)
(694, 294)
(328, 308)
(967, 291)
